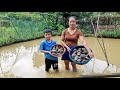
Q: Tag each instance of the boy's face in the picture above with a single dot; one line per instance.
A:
(47, 36)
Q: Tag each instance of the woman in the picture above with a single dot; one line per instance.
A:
(69, 39)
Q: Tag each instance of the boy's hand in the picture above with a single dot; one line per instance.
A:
(43, 51)
(49, 52)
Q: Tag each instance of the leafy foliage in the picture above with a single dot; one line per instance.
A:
(22, 26)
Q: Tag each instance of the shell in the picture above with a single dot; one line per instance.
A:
(61, 48)
(83, 55)
(82, 58)
(53, 50)
(62, 51)
(79, 57)
(73, 55)
(75, 52)
(79, 49)
(57, 48)
(53, 53)
(78, 53)
(86, 57)
(78, 60)
(84, 50)
(76, 57)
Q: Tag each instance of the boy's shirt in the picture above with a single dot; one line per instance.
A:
(46, 46)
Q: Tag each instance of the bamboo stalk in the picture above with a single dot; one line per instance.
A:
(105, 69)
(93, 28)
(95, 32)
(102, 40)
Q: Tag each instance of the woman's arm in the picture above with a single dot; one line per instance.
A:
(83, 41)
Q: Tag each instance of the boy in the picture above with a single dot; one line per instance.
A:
(45, 46)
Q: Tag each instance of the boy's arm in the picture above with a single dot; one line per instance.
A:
(44, 51)
(42, 48)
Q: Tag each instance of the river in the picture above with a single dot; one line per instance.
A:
(23, 60)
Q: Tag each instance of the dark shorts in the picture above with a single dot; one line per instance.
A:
(48, 64)
(65, 56)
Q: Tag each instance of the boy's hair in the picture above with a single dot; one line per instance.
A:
(47, 31)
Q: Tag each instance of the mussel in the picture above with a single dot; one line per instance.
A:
(84, 50)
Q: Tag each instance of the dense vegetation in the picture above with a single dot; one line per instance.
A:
(22, 26)
(16, 27)
(110, 34)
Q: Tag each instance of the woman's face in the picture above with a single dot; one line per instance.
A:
(72, 22)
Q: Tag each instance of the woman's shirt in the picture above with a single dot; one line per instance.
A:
(71, 39)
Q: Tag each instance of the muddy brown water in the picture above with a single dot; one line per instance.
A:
(23, 60)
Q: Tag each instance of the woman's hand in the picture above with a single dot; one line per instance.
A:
(68, 49)
(91, 54)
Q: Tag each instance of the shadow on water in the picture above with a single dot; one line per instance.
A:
(23, 60)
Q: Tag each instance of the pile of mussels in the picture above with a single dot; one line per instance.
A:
(80, 54)
(57, 50)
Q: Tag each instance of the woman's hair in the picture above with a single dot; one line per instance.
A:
(71, 17)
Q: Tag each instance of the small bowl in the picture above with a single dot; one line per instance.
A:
(57, 52)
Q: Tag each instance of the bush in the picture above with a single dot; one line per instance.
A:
(24, 26)
(7, 36)
(110, 34)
